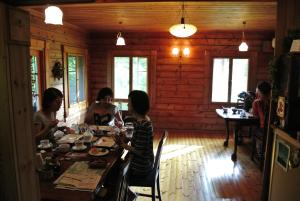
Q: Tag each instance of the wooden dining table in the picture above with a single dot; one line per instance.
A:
(239, 118)
(49, 192)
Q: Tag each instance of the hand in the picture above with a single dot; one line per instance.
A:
(117, 139)
(69, 130)
(53, 123)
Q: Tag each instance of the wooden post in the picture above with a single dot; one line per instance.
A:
(17, 168)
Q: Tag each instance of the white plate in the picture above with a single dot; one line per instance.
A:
(98, 151)
(105, 142)
(45, 147)
(70, 138)
(102, 128)
(75, 148)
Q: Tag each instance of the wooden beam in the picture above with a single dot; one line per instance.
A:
(44, 2)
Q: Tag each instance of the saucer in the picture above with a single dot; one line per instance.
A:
(94, 151)
(45, 147)
(81, 148)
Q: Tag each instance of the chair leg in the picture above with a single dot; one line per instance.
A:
(253, 151)
(158, 188)
(153, 192)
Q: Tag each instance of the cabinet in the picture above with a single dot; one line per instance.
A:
(284, 184)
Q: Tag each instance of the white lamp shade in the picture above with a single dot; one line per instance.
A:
(120, 41)
(53, 15)
(243, 47)
(182, 30)
(175, 51)
(186, 51)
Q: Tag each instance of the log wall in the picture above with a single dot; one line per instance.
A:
(182, 96)
(52, 39)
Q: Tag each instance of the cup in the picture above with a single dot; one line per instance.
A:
(129, 129)
(44, 143)
(39, 161)
(64, 147)
(78, 143)
(225, 110)
(234, 110)
(87, 137)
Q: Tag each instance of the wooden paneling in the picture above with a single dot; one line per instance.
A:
(182, 93)
(134, 16)
(54, 39)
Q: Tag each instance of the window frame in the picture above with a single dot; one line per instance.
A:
(252, 69)
(38, 49)
(80, 105)
(130, 76)
(151, 71)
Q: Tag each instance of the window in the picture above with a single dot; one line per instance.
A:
(76, 79)
(36, 79)
(230, 77)
(129, 73)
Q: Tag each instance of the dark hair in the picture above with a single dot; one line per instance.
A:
(49, 96)
(139, 101)
(106, 91)
(264, 88)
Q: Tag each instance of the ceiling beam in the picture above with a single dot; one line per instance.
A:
(44, 2)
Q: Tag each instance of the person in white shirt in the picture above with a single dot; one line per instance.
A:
(45, 121)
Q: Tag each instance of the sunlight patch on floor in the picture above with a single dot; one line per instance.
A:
(172, 151)
(221, 167)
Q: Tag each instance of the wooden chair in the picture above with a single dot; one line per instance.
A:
(259, 137)
(120, 190)
(152, 179)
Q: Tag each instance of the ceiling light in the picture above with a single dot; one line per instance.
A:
(175, 51)
(186, 51)
(182, 30)
(243, 46)
(120, 39)
(53, 15)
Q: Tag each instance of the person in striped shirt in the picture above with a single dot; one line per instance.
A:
(141, 147)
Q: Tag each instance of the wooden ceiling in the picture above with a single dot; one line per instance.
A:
(156, 16)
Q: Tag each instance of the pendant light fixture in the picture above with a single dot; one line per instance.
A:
(182, 30)
(53, 15)
(120, 39)
(243, 46)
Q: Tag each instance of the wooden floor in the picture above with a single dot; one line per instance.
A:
(197, 167)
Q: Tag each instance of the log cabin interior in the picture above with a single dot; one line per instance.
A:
(180, 87)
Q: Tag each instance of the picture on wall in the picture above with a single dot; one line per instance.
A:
(280, 106)
(282, 154)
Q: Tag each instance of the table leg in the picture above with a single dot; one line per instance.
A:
(236, 137)
(227, 133)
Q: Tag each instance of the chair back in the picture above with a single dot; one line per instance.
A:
(159, 150)
(122, 185)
